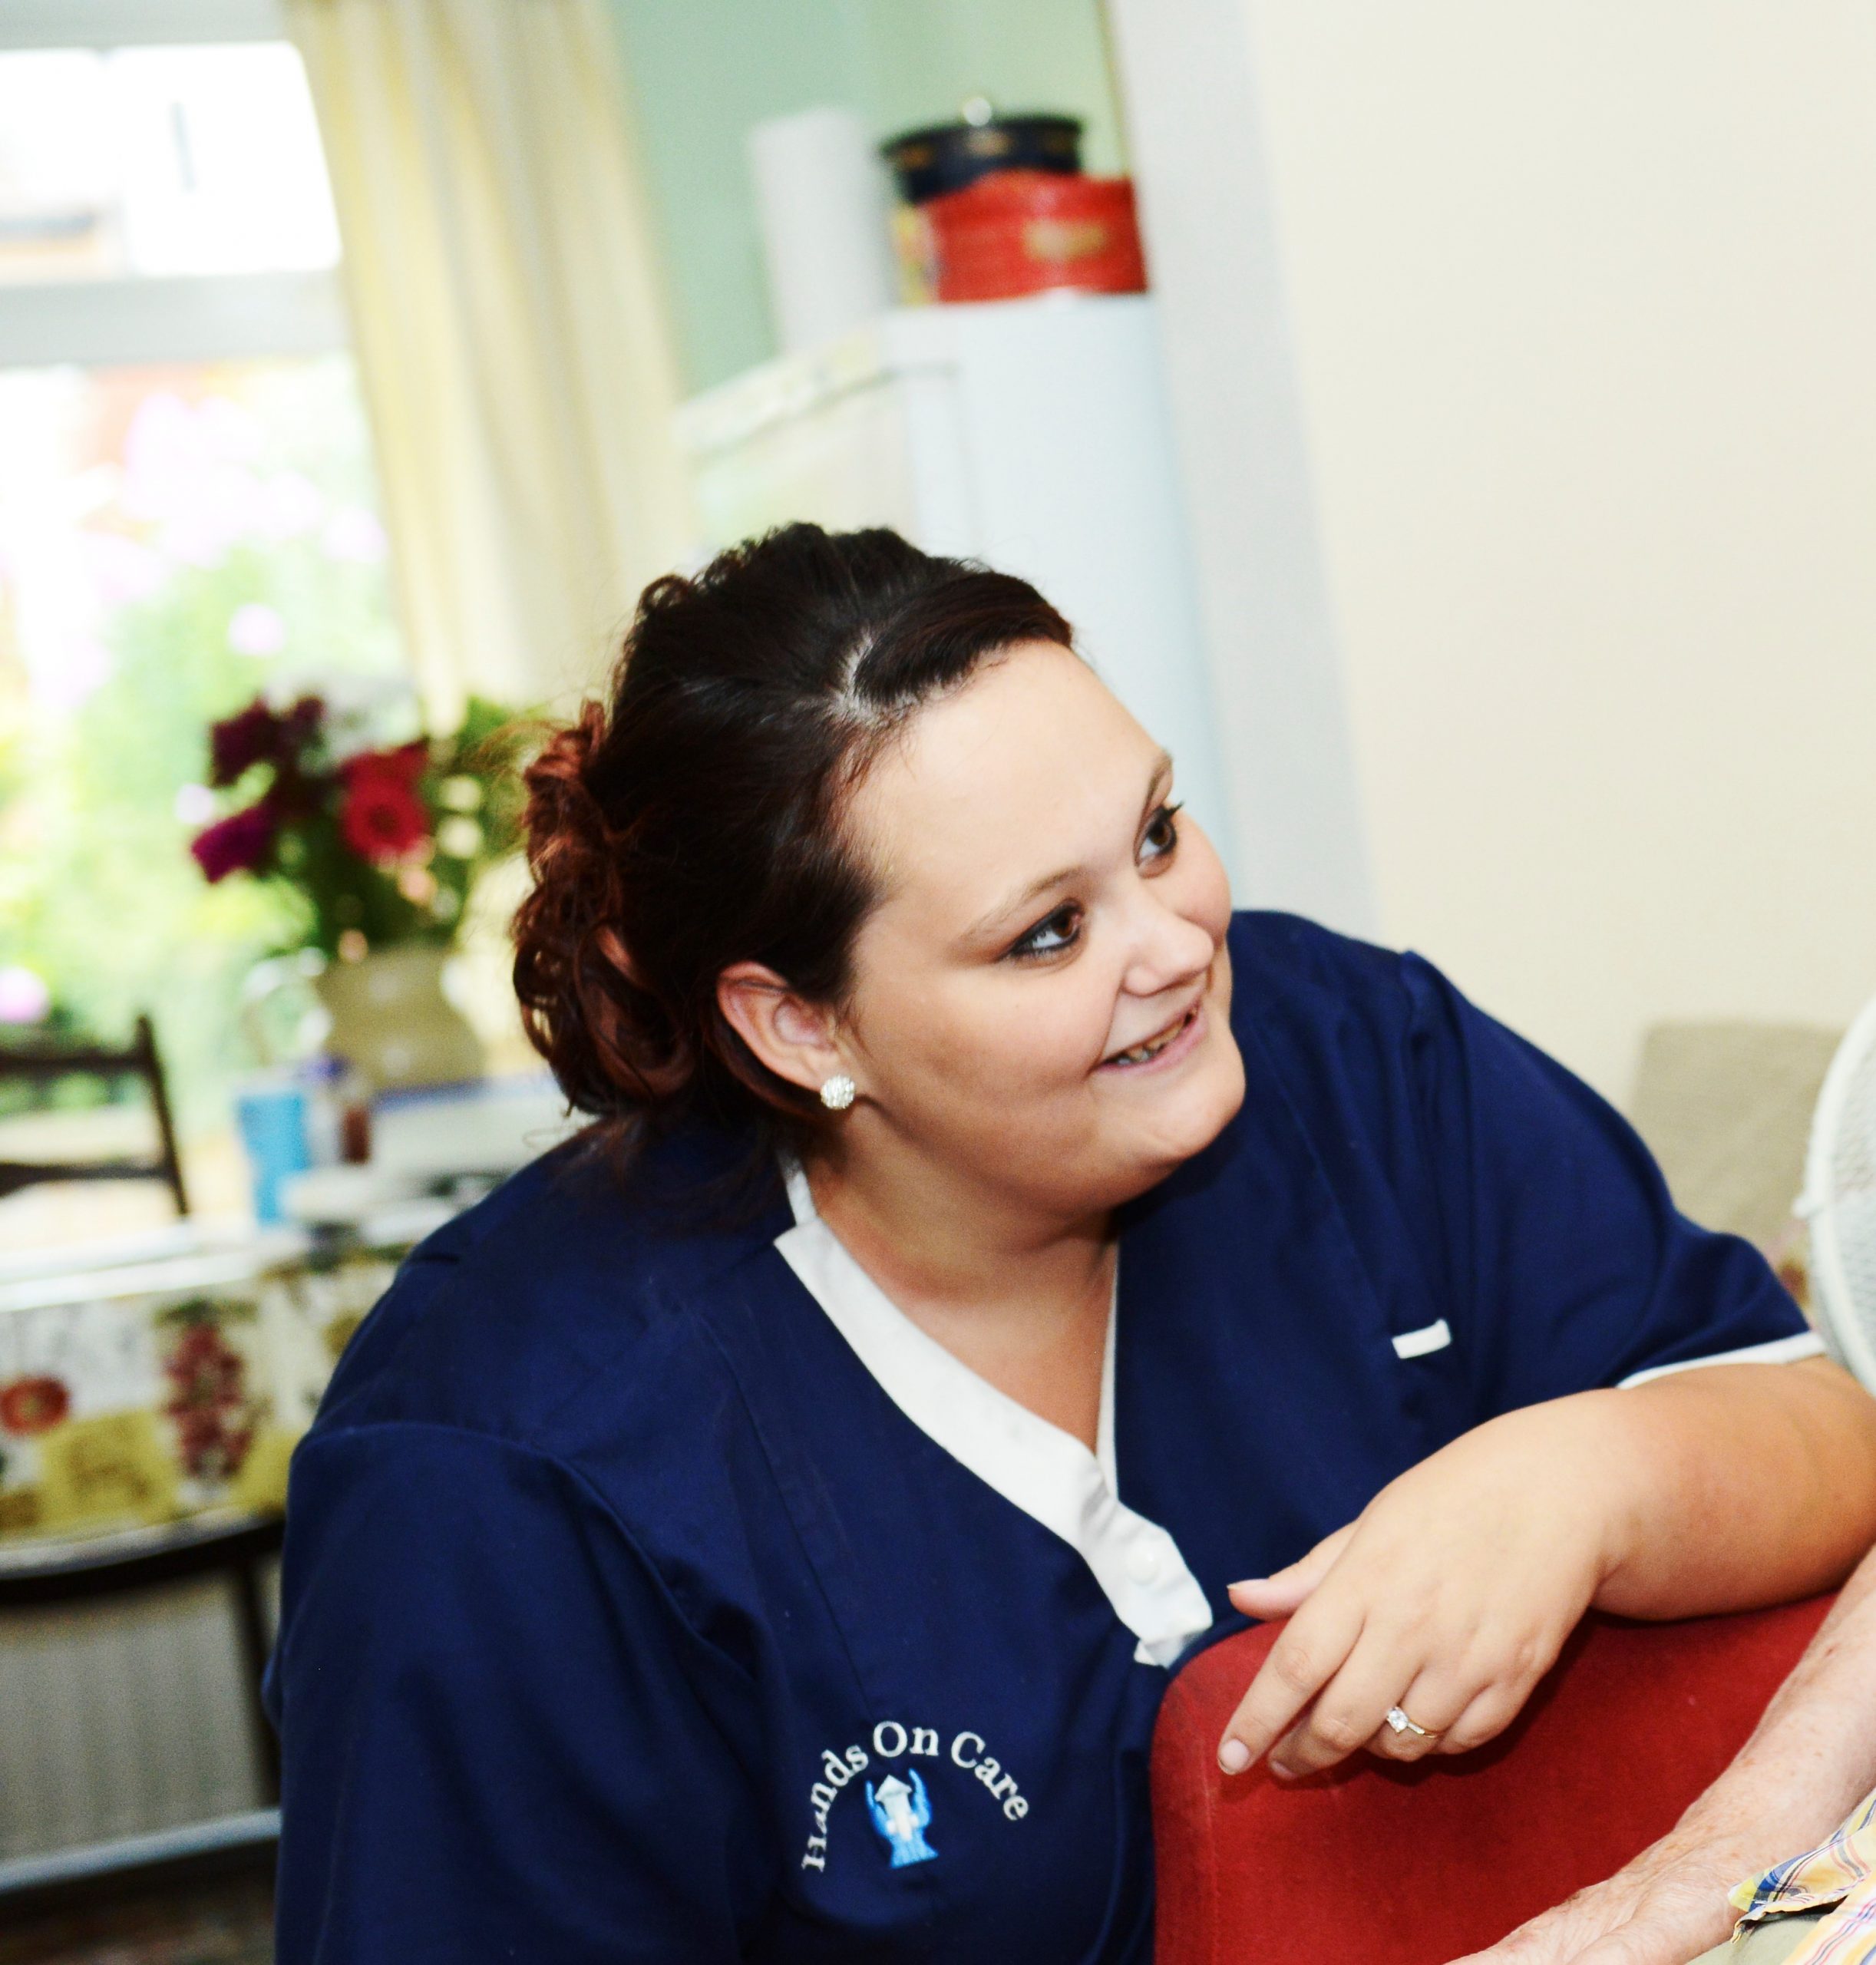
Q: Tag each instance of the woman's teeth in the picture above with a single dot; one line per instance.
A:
(1153, 1046)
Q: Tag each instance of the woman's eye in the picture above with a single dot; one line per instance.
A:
(1052, 934)
(1162, 834)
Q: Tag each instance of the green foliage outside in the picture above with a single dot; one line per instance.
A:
(99, 896)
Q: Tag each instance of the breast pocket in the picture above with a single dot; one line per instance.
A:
(1435, 1382)
(1423, 1343)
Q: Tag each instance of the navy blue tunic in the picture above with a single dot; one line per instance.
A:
(625, 1617)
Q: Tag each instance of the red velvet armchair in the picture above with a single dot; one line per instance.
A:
(1418, 1865)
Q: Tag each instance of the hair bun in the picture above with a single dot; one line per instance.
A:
(612, 1046)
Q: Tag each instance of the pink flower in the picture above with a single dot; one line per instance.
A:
(240, 844)
(24, 995)
(353, 533)
(256, 629)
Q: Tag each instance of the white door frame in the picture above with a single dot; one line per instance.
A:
(1188, 84)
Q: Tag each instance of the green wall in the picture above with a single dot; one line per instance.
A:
(699, 72)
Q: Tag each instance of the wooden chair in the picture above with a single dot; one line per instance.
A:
(44, 1062)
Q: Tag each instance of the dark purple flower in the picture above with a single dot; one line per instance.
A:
(240, 844)
(259, 735)
(294, 796)
(300, 724)
(239, 742)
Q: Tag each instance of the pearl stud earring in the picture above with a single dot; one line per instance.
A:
(837, 1093)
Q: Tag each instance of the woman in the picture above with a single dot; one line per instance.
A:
(768, 1535)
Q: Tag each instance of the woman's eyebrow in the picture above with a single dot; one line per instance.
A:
(986, 923)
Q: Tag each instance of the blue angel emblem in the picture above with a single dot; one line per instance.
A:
(900, 1814)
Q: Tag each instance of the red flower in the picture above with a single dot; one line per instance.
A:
(382, 818)
(209, 1448)
(208, 1402)
(403, 766)
(204, 1369)
(240, 844)
(33, 1404)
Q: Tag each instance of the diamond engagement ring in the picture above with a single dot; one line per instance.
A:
(1400, 1725)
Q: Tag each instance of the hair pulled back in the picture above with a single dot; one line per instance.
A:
(695, 819)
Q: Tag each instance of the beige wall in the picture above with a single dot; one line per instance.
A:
(1582, 295)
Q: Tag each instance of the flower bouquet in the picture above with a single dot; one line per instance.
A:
(381, 847)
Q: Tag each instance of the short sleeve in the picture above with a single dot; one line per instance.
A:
(1563, 1251)
(500, 1738)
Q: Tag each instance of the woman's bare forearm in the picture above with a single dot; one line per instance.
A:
(1745, 1485)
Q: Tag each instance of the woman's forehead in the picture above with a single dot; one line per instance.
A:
(1034, 764)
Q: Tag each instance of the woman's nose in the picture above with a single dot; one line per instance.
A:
(1170, 948)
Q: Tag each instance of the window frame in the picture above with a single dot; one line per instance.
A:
(130, 320)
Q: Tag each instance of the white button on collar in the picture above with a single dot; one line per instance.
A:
(1143, 1565)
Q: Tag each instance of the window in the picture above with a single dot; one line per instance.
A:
(188, 516)
(157, 161)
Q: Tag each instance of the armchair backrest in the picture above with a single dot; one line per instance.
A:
(1390, 1865)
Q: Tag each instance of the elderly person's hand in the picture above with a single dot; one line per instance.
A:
(1667, 1906)
(1450, 1596)
(1809, 1759)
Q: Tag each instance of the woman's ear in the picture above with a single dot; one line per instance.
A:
(793, 1037)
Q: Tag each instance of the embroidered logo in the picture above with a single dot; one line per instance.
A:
(901, 1812)
(902, 1815)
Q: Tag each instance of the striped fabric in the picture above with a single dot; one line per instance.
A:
(1840, 1877)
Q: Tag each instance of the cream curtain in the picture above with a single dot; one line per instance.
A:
(508, 326)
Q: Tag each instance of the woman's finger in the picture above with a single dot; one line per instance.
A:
(1308, 1652)
(1351, 1712)
(1487, 1715)
(1345, 1715)
(1283, 1593)
(1433, 1700)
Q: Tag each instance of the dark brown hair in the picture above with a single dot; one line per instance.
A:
(695, 820)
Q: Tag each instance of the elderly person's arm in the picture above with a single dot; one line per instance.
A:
(1812, 1758)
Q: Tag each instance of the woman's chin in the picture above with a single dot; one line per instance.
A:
(1165, 1125)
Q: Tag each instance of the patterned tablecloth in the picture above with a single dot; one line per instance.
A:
(149, 1391)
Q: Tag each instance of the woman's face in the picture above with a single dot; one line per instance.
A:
(1041, 996)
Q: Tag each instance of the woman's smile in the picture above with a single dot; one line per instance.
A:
(1166, 1047)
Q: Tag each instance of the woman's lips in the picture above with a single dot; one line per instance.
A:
(1165, 1047)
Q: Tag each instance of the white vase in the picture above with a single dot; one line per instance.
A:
(392, 1023)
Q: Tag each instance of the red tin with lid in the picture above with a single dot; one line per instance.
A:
(1019, 232)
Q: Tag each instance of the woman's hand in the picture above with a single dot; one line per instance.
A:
(1449, 1596)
